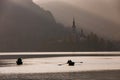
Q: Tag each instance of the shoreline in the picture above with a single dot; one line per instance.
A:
(87, 75)
(15, 56)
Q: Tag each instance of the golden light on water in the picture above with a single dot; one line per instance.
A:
(51, 64)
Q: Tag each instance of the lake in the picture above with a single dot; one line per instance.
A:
(51, 64)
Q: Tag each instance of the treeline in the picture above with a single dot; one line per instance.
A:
(91, 42)
(96, 43)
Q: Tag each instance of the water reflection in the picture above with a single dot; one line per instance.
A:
(48, 65)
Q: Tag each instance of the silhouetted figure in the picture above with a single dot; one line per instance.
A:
(70, 63)
(19, 61)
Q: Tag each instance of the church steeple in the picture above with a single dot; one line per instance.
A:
(74, 25)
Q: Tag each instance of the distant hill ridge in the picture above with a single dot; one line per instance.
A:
(24, 26)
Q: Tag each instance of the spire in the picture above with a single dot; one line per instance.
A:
(74, 26)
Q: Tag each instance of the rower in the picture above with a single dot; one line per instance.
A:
(19, 61)
(70, 63)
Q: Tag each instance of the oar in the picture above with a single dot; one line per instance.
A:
(62, 64)
(67, 63)
(78, 62)
(81, 62)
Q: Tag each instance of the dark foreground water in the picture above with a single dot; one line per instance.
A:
(93, 75)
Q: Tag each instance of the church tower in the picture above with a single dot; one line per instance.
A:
(74, 32)
(74, 26)
(77, 35)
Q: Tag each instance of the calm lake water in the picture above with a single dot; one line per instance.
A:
(52, 64)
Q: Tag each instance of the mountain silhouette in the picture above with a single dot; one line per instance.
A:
(64, 12)
(24, 26)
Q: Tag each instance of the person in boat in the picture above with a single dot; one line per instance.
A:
(70, 63)
(19, 61)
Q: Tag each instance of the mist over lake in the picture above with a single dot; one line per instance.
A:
(29, 27)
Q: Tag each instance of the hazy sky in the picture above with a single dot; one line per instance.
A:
(109, 9)
(104, 9)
